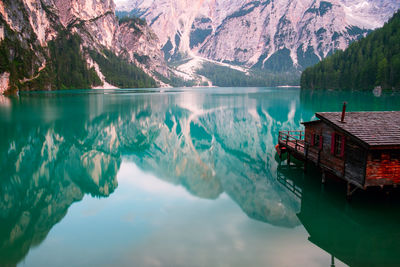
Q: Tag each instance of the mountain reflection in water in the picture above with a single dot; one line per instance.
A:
(57, 147)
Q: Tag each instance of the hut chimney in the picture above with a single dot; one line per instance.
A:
(343, 112)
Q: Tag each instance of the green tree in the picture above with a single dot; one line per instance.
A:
(374, 60)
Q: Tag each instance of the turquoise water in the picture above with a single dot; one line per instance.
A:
(180, 177)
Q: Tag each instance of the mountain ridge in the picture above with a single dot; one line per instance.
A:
(276, 36)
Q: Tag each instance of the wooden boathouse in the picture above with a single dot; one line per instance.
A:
(362, 148)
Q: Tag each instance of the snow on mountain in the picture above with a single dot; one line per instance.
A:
(269, 34)
(369, 14)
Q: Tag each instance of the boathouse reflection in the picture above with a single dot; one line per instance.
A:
(364, 232)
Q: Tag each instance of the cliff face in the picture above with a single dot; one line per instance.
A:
(268, 34)
(33, 25)
(142, 46)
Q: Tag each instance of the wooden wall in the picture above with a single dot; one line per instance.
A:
(351, 166)
(356, 157)
(385, 171)
(327, 160)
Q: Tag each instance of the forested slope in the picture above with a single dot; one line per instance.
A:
(372, 61)
(51, 45)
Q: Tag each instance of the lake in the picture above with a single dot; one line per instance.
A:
(180, 177)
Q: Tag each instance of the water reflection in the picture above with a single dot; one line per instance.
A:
(57, 147)
(327, 101)
(363, 233)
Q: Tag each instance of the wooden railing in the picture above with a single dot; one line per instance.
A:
(294, 139)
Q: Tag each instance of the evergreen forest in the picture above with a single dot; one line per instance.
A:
(372, 61)
(227, 77)
(121, 73)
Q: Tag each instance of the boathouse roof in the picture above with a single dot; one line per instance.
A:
(371, 128)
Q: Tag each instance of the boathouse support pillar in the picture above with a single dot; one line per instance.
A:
(332, 261)
(350, 191)
(306, 159)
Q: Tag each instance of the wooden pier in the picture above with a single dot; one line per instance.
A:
(292, 140)
(293, 143)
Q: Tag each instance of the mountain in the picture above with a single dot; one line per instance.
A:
(54, 44)
(372, 61)
(269, 35)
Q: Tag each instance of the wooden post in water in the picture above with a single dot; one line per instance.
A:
(348, 194)
(350, 191)
(306, 156)
(332, 261)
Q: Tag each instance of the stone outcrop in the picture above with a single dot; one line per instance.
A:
(142, 46)
(4, 82)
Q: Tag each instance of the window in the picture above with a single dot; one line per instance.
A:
(337, 144)
(395, 155)
(376, 155)
(317, 140)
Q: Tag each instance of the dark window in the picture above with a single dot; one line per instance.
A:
(317, 140)
(395, 155)
(376, 155)
(338, 145)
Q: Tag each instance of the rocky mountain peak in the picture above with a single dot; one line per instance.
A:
(267, 34)
(82, 9)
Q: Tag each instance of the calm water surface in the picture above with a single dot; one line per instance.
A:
(179, 177)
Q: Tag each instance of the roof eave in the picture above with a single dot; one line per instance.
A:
(310, 122)
(385, 147)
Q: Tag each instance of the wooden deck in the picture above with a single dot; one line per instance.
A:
(293, 141)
